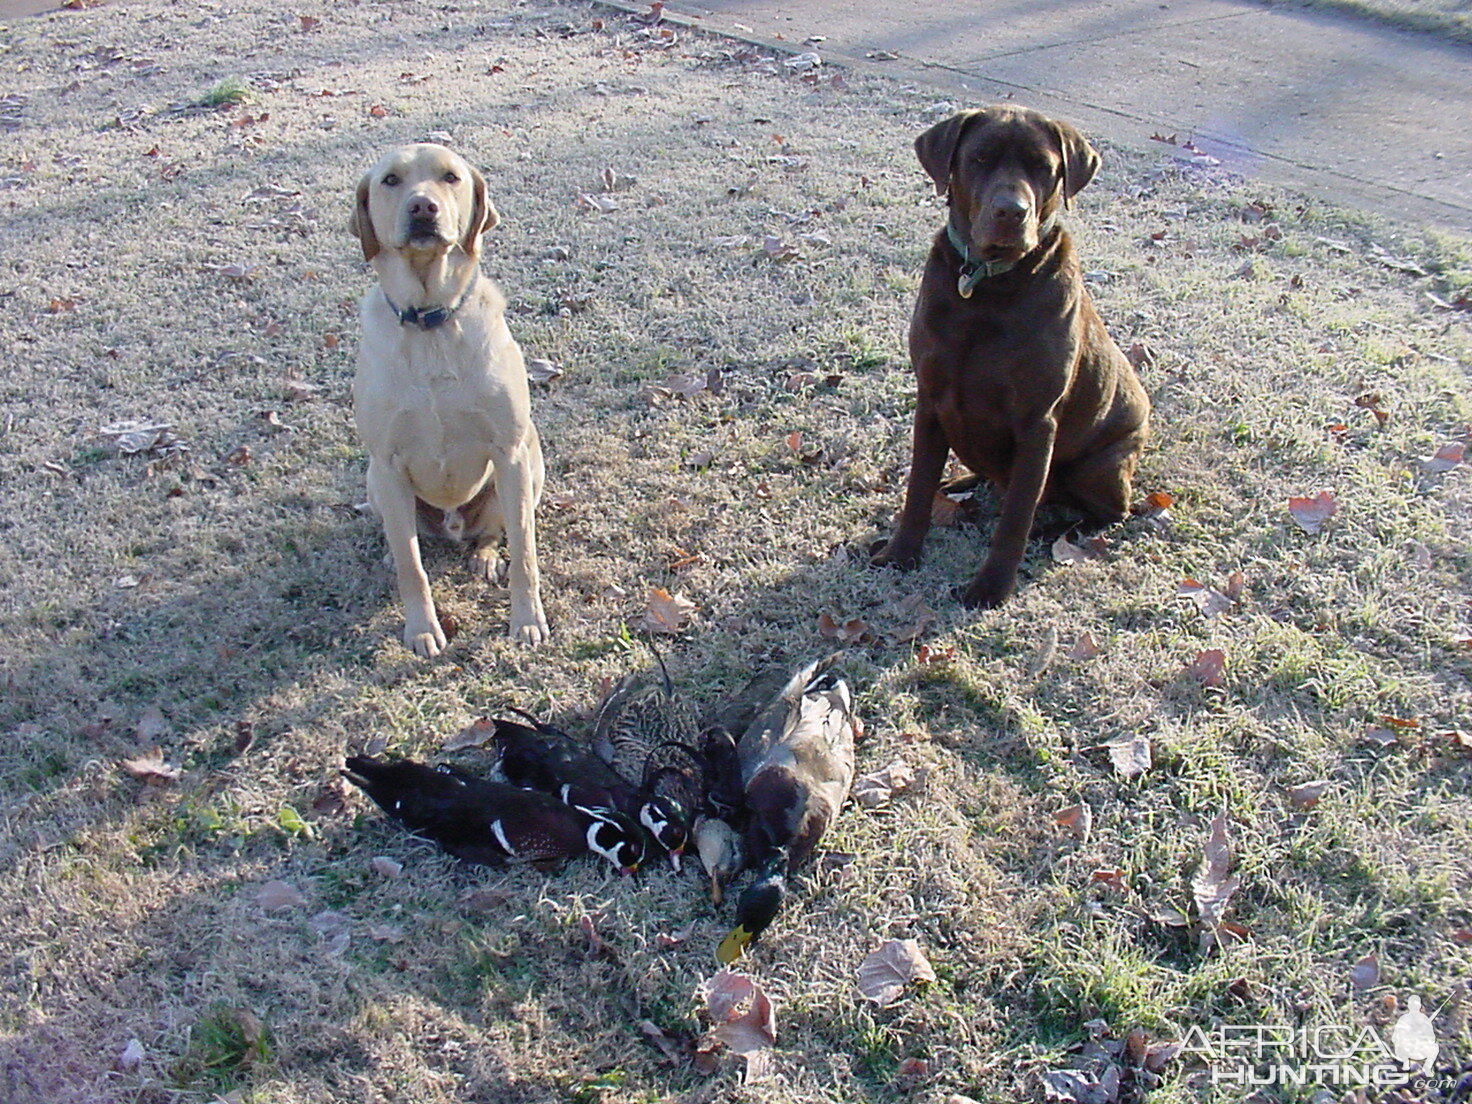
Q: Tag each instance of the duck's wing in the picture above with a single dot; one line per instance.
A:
(738, 710)
(802, 764)
(642, 713)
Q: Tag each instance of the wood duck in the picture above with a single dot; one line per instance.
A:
(721, 853)
(543, 757)
(488, 822)
(645, 730)
(797, 764)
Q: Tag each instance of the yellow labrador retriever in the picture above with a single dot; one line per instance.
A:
(441, 396)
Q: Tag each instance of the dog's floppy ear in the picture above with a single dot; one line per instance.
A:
(936, 147)
(483, 214)
(361, 224)
(1080, 160)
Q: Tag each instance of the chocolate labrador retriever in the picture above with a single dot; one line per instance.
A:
(1016, 372)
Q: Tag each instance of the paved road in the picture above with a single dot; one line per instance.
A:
(1340, 106)
(1343, 107)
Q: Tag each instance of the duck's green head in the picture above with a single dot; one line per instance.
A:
(755, 911)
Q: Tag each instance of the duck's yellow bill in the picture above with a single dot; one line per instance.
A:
(734, 945)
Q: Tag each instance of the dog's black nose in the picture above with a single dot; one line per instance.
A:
(423, 207)
(1009, 208)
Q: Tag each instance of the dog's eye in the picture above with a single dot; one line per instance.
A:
(452, 177)
(391, 180)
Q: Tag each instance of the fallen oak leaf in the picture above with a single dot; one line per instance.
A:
(853, 631)
(672, 1049)
(1130, 755)
(927, 656)
(151, 768)
(386, 867)
(1085, 647)
(476, 734)
(1212, 887)
(742, 1018)
(1078, 819)
(883, 975)
(666, 612)
(276, 895)
(874, 790)
(541, 370)
(1210, 601)
(1208, 667)
(1311, 513)
(1365, 974)
(1306, 795)
(1065, 551)
(1445, 458)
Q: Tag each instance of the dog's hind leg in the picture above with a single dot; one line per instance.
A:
(1100, 485)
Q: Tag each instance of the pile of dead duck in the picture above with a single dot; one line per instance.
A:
(752, 788)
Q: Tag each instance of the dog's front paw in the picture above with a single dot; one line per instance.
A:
(530, 631)
(426, 640)
(895, 552)
(989, 589)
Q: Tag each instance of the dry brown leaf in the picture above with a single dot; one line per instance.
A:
(332, 799)
(1210, 601)
(672, 1049)
(1085, 647)
(276, 895)
(540, 370)
(927, 656)
(885, 973)
(1078, 819)
(1129, 754)
(874, 790)
(386, 867)
(923, 616)
(1065, 551)
(1212, 887)
(1312, 513)
(853, 631)
(666, 612)
(1376, 734)
(1365, 974)
(1208, 667)
(152, 725)
(742, 1017)
(1113, 877)
(151, 768)
(476, 734)
(1445, 458)
(1306, 795)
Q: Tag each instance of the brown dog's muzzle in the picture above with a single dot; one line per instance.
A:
(1004, 221)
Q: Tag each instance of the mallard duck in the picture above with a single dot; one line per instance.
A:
(645, 730)
(542, 757)
(489, 822)
(797, 764)
(724, 726)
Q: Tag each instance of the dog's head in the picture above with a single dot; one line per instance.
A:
(1006, 170)
(422, 199)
